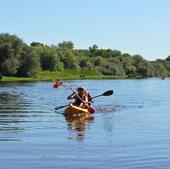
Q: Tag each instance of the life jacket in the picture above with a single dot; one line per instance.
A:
(78, 101)
(89, 97)
(56, 85)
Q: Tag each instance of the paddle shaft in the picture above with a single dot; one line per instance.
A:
(97, 96)
(60, 107)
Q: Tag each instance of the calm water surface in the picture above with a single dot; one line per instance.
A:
(130, 129)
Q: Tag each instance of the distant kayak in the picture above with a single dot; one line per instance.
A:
(57, 85)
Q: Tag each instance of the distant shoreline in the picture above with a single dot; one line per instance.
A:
(64, 75)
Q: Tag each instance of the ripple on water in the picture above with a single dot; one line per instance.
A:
(130, 129)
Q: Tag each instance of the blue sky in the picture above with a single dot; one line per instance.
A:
(131, 26)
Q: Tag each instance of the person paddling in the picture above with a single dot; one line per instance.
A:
(58, 84)
(81, 97)
(89, 98)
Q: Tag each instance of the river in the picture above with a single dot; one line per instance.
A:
(129, 130)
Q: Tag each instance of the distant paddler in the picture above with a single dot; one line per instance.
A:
(58, 84)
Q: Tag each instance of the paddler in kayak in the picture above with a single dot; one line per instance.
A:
(82, 97)
(58, 83)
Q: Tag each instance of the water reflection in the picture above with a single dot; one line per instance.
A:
(78, 126)
(127, 127)
(5, 97)
(10, 113)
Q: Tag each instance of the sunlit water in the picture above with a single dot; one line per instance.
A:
(130, 129)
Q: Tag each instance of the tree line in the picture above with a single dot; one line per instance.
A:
(22, 60)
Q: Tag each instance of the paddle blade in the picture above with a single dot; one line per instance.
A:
(108, 93)
(91, 110)
(60, 107)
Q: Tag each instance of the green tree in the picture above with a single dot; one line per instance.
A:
(168, 58)
(93, 48)
(48, 58)
(11, 48)
(66, 44)
(115, 52)
(99, 61)
(86, 63)
(38, 44)
(70, 61)
(10, 66)
(30, 64)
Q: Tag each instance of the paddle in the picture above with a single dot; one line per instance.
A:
(107, 93)
(60, 107)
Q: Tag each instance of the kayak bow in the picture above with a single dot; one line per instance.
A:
(75, 111)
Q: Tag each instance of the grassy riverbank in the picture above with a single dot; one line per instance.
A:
(64, 75)
(71, 75)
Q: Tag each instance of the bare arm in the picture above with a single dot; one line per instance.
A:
(72, 96)
(84, 102)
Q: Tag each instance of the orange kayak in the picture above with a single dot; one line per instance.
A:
(75, 111)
